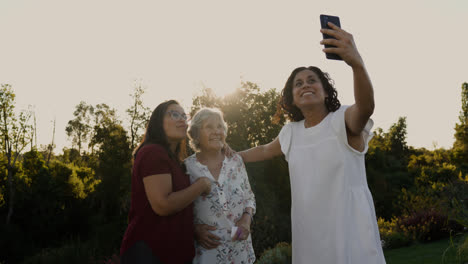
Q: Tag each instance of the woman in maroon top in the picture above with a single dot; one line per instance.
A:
(160, 228)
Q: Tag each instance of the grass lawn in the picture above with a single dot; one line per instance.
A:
(427, 253)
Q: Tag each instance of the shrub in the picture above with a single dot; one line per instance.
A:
(457, 202)
(396, 240)
(425, 225)
(272, 221)
(70, 253)
(75, 251)
(457, 252)
(463, 251)
(280, 254)
(14, 243)
(391, 235)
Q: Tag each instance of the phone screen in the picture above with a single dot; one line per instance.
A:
(324, 19)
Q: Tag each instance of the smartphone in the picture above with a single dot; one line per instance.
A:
(324, 19)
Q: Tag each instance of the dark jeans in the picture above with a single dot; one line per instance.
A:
(140, 253)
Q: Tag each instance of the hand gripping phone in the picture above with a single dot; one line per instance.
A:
(324, 19)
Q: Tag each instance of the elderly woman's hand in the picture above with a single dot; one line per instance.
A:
(205, 183)
(205, 238)
(243, 228)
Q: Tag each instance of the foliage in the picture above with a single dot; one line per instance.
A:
(15, 133)
(437, 252)
(457, 193)
(56, 196)
(386, 168)
(112, 195)
(460, 146)
(14, 128)
(425, 225)
(79, 128)
(391, 235)
(74, 251)
(80, 200)
(14, 243)
(423, 206)
(457, 201)
(270, 184)
(280, 254)
(457, 251)
(139, 116)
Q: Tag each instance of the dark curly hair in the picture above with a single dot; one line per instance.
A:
(293, 113)
(155, 134)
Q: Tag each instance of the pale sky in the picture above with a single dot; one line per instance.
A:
(56, 53)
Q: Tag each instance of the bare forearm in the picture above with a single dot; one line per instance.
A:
(363, 90)
(254, 154)
(176, 201)
(263, 152)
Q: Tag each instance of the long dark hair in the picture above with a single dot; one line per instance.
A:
(155, 134)
(285, 104)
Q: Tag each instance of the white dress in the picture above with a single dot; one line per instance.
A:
(332, 213)
(222, 208)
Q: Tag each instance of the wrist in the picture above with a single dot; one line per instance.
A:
(358, 65)
(248, 215)
(204, 184)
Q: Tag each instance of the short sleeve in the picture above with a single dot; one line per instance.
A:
(153, 160)
(191, 166)
(339, 126)
(285, 138)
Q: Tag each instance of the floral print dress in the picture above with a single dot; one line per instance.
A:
(222, 208)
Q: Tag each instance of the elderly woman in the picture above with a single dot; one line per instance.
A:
(222, 218)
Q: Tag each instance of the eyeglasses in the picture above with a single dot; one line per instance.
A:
(176, 116)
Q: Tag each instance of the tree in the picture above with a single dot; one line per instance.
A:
(114, 160)
(396, 138)
(207, 98)
(386, 167)
(51, 146)
(14, 133)
(139, 116)
(460, 146)
(79, 127)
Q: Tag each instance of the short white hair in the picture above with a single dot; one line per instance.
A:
(197, 122)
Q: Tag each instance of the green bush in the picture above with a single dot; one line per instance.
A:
(426, 225)
(272, 221)
(70, 253)
(14, 243)
(396, 240)
(457, 252)
(280, 254)
(391, 234)
(463, 251)
(93, 251)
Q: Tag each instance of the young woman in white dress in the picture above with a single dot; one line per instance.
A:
(332, 214)
(222, 218)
